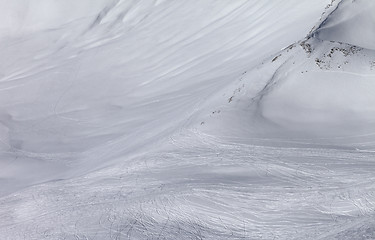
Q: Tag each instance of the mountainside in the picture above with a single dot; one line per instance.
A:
(160, 119)
(353, 22)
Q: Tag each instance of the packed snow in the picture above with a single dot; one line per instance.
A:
(161, 119)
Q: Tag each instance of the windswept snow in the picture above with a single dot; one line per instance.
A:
(21, 16)
(353, 22)
(329, 91)
(155, 119)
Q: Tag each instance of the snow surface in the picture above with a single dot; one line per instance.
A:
(353, 22)
(160, 119)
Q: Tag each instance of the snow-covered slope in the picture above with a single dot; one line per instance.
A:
(353, 22)
(21, 16)
(187, 120)
(314, 87)
(82, 95)
(330, 88)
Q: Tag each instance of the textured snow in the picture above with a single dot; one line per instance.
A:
(353, 22)
(187, 120)
(330, 91)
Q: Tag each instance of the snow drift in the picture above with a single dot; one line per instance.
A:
(353, 22)
(187, 120)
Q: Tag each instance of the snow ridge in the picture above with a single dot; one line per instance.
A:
(183, 120)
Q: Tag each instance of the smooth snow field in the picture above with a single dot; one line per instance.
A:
(173, 119)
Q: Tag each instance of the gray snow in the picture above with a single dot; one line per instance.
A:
(161, 119)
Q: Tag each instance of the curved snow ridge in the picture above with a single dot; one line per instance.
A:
(324, 87)
(352, 22)
(124, 97)
(320, 88)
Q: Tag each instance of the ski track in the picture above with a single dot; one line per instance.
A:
(203, 186)
(149, 120)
